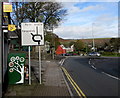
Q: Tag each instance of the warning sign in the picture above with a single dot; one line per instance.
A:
(7, 7)
(11, 27)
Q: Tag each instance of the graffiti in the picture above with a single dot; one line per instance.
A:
(16, 64)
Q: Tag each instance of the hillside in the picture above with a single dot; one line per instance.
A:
(98, 41)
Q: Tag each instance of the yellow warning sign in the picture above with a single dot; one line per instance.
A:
(7, 7)
(11, 27)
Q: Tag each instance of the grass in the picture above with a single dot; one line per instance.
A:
(112, 55)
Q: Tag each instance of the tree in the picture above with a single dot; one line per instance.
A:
(79, 45)
(115, 43)
(53, 39)
(49, 13)
(71, 43)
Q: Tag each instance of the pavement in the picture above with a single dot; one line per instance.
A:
(53, 82)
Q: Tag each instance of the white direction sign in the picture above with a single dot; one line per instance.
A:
(32, 34)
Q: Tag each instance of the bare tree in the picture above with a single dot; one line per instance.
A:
(49, 13)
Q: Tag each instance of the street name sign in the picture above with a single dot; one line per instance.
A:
(32, 34)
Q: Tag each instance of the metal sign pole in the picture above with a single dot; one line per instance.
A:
(37, 39)
(1, 49)
(39, 64)
(29, 66)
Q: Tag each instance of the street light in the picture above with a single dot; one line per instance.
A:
(53, 42)
(93, 38)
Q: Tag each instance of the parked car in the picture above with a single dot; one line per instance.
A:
(94, 54)
(67, 54)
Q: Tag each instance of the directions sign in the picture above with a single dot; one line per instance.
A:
(32, 34)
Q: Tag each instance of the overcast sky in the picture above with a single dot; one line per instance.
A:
(83, 16)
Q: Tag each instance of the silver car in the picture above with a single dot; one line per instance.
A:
(94, 54)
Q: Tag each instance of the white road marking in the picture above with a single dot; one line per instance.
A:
(89, 62)
(103, 72)
(93, 67)
(111, 76)
(48, 61)
(62, 62)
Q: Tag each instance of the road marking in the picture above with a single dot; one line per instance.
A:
(73, 83)
(70, 92)
(61, 62)
(89, 62)
(104, 72)
(93, 67)
(111, 76)
(47, 61)
(92, 64)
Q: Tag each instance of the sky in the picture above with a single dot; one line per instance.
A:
(89, 20)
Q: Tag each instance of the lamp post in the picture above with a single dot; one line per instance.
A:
(53, 48)
(93, 38)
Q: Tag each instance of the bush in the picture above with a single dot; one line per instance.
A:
(110, 54)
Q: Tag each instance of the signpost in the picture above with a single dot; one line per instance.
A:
(0, 49)
(32, 35)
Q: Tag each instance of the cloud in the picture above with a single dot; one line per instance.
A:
(71, 32)
(72, 9)
(106, 18)
(79, 21)
(100, 30)
(77, 15)
(95, 7)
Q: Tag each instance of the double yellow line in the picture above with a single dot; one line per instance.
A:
(76, 87)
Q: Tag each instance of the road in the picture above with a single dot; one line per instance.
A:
(109, 65)
(91, 81)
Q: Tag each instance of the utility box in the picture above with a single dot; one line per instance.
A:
(16, 62)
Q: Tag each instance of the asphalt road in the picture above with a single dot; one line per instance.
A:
(91, 81)
(109, 65)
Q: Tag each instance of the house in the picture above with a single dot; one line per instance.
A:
(70, 49)
(63, 50)
(60, 50)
